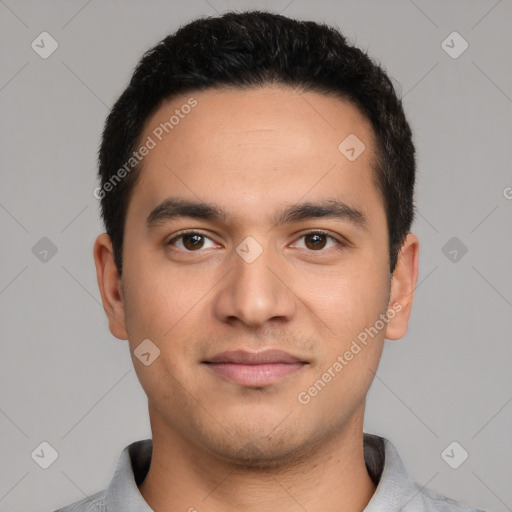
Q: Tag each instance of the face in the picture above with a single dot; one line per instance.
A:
(255, 259)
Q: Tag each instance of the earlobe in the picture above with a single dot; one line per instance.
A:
(109, 283)
(403, 285)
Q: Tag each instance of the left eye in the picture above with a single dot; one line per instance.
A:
(191, 241)
(316, 241)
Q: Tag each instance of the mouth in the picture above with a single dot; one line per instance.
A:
(255, 369)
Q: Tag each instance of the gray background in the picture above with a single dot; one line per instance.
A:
(65, 380)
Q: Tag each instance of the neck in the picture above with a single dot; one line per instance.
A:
(184, 477)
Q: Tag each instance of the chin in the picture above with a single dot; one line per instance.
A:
(254, 448)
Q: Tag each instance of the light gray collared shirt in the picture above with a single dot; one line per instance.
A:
(395, 491)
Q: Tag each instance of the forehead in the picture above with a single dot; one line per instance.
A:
(256, 146)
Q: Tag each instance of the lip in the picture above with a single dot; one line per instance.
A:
(254, 369)
(270, 356)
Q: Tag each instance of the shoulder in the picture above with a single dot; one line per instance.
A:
(427, 500)
(93, 503)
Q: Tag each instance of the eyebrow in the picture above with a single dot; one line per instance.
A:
(329, 208)
(173, 208)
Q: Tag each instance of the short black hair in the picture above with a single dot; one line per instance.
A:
(254, 49)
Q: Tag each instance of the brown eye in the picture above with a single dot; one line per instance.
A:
(315, 241)
(192, 242)
(318, 241)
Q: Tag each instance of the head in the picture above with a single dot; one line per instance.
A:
(257, 180)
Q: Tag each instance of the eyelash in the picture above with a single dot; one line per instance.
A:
(340, 243)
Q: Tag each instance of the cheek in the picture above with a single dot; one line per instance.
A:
(161, 300)
(351, 335)
(347, 299)
(352, 307)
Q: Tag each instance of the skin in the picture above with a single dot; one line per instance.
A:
(218, 445)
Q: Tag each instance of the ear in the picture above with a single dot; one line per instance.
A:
(403, 285)
(110, 285)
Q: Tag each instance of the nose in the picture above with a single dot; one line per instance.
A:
(255, 292)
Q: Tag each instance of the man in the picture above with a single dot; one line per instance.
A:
(257, 180)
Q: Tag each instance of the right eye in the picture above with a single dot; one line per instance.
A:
(191, 241)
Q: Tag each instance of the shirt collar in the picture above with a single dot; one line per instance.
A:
(123, 492)
(395, 491)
